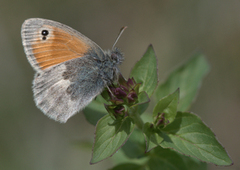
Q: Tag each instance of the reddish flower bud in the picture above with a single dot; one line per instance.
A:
(124, 88)
(130, 83)
(119, 110)
(161, 121)
(131, 96)
(119, 92)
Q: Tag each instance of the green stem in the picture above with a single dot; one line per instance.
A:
(136, 117)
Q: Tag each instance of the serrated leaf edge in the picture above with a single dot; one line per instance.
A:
(111, 139)
(197, 147)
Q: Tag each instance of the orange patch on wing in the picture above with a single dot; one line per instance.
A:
(58, 47)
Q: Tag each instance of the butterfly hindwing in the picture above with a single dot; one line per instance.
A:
(65, 89)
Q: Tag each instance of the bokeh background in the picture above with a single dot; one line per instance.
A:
(29, 140)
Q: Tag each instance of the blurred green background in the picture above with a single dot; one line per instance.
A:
(30, 140)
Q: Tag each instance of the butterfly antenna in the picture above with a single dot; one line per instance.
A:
(119, 35)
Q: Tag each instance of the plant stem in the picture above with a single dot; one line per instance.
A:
(136, 117)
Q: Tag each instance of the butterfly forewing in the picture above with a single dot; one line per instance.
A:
(48, 43)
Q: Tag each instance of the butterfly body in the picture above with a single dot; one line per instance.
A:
(71, 70)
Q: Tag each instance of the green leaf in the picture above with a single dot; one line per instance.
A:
(129, 166)
(145, 71)
(160, 158)
(188, 78)
(95, 110)
(166, 159)
(153, 136)
(167, 105)
(143, 102)
(193, 163)
(121, 158)
(110, 135)
(135, 147)
(190, 136)
(171, 160)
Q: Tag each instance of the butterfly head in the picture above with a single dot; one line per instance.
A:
(116, 56)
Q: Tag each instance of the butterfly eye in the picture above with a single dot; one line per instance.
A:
(44, 33)
(114, 56)
(117, 56)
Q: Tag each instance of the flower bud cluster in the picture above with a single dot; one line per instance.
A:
(123, 96)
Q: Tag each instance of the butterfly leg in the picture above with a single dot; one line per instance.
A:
(110, 91)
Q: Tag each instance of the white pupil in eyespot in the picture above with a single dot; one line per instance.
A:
(44, 32)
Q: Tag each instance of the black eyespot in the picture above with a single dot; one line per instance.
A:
(45, 32)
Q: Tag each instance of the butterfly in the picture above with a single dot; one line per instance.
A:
(71, 70)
